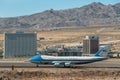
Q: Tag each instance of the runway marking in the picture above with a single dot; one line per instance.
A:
(12, 61)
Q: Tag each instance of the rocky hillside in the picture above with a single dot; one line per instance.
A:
(94, 14)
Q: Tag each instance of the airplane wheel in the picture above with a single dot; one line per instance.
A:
(37, 65)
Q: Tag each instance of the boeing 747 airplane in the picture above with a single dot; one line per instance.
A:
(67, 61)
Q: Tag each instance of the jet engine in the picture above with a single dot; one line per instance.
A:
(67, 65)
(59, 64)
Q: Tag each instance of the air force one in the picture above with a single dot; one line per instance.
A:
(67, 61)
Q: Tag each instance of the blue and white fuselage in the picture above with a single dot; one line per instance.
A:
(66, 61)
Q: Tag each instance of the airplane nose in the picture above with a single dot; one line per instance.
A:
(31, 59)
(35, 58)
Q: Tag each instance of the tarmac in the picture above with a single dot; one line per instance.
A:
(25, 64)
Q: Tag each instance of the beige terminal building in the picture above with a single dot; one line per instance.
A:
(91, 44)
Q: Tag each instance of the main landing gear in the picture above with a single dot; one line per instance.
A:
(37, 65)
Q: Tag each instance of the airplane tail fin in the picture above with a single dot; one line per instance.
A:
(101, 53)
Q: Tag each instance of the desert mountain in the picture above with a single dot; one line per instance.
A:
(94, 14)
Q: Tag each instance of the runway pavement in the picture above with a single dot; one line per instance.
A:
(104, 64)
(26, 64)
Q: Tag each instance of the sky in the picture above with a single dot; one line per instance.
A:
(13, 8)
